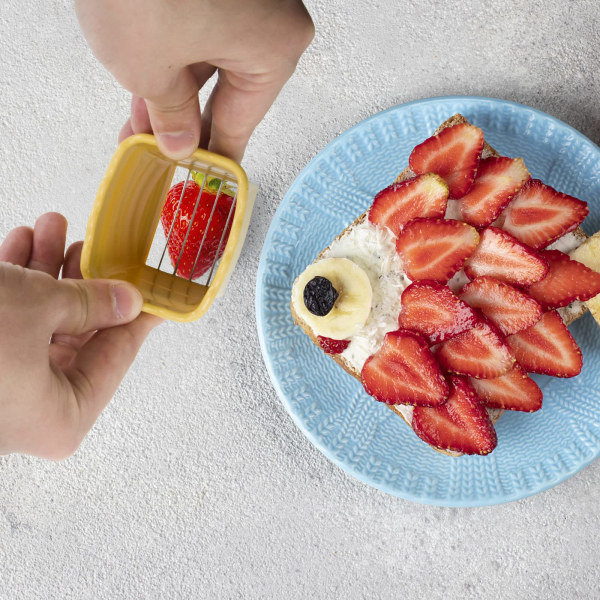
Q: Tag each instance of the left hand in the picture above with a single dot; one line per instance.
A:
(65, 344)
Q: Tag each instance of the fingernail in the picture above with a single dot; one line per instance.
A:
(127, 300)
(177, 144)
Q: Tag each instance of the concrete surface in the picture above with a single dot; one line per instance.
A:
(195, 483)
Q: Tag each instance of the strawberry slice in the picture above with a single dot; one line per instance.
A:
(566, 280)
(453, 154)
(538, 214)
(478, 352)
(503, 257)
(435, 248)
(513, 391)
(462, 424)
(404, 371)
(498, 179)
(331, 346)
(396, 205)
(431, 309)
(508, 308)
(547, 348)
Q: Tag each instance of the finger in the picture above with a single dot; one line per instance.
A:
(140, 120)
(126, 131)
(101, 364)
(175, 116)
(72, 263)
(242, 96)
(206, 123)
(236, 105)
(16, 247)
(64, 347)
(79, 306)
(47, 253)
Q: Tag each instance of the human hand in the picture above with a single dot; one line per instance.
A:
(66, 344)
(164, 52)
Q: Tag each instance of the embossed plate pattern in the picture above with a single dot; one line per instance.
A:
(535, 451)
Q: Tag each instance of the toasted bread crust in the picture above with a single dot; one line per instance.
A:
(569, 313)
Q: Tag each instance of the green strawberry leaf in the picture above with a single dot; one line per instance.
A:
(213, 184)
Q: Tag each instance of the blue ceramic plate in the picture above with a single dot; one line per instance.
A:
(535, 451)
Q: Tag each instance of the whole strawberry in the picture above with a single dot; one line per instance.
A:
(197, 228)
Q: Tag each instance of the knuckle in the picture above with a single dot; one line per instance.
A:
(169, 107)
(83, 303)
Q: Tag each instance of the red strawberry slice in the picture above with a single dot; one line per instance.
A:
(508, 308)
(503, 257)
(478, 352)
(462, 424)
(396, 205)
(538, 214)
(498, 179)
(404, 371)
(547, 348)
(431, 309)
(331, 346)
(453, 154)
(435, 248)
(513, 391)
(202, 222)
(566, 280)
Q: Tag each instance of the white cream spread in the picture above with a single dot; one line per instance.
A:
(374, 250)
(567, 243)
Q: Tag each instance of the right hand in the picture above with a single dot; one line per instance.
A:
(164, 52)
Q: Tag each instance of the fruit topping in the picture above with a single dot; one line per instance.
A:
(538, 214)
(331, 346)
(404, 371)
(513, 391)
(589, 254)
(453, 154)
(547, 348)
(319, 296)
(431, 309)
(352, 306)
(502, 256)
(202, 225)
(566, 280)
(479, 352)
(462, 424)
(396, 205)
(435, 249)
(498, 179)
(508, 308)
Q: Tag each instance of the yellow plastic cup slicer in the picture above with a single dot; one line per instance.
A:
(122, 241)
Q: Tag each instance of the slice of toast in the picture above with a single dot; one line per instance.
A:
(567, 244)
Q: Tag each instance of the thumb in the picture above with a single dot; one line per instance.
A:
(175, 116)
(82, 306)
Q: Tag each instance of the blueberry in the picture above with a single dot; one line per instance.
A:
(319, 296)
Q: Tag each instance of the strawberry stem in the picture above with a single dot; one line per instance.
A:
(213, 184)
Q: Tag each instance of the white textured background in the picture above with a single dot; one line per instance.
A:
(195, 483)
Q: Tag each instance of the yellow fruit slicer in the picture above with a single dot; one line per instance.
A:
(122, 241)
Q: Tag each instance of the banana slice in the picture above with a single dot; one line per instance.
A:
(339, 295)
(588, 253)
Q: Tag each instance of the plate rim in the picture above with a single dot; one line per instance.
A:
(260, 318)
